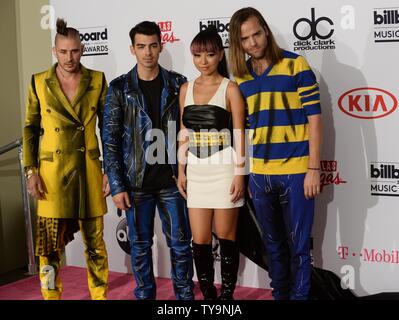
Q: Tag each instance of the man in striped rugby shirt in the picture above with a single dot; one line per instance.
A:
(284, 123)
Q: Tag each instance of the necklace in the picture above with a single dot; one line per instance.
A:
(73, 76)
(60, 72)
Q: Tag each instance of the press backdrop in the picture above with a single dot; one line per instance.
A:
(353, 48)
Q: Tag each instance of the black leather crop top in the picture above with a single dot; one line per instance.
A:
(209, 127)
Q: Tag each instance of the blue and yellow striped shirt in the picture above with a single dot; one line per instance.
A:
(278, 104)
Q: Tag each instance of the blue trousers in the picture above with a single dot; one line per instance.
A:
(175, 226)
(286, 219)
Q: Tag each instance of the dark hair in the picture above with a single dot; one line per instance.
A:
(63, 30)
(209, 40)
(236, 53)
(148, 28)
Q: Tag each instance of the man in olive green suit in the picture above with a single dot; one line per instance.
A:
(63, 170)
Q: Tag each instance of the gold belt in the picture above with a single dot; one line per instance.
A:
(209, 139)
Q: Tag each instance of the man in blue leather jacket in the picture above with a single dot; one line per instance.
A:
(142, 111)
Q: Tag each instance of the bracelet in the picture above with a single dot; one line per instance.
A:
(316, 169)
(29, 171)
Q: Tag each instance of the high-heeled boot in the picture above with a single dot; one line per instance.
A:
(229, 261)
(203, 259)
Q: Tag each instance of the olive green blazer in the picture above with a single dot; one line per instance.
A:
(59, 138)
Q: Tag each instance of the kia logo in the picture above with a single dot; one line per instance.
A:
(367, 103)
(313, 27)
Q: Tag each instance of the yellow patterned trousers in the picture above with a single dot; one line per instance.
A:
(96, 259)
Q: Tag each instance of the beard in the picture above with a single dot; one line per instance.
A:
(260, 53)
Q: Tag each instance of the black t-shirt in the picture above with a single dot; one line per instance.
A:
(157, 175)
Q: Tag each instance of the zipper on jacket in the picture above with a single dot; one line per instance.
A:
(166, 140)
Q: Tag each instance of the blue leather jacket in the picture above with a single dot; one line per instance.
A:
(126, 123)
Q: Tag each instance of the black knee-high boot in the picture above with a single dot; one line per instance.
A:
(229, 261)
(203, 259)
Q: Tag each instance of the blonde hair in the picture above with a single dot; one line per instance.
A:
(236, 52)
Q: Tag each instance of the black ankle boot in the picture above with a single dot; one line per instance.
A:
(203, 259)
(229, 260)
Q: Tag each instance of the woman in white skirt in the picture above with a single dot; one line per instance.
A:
(211, 162)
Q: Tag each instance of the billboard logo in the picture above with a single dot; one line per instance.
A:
(95, 40)
(309, 34)
(222, 26)
(386, 24)
(386, 17)
(384, 179)
(367, 103)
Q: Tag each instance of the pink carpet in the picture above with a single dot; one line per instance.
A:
(120, 287)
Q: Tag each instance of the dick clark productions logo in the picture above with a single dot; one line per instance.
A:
(314, 33)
